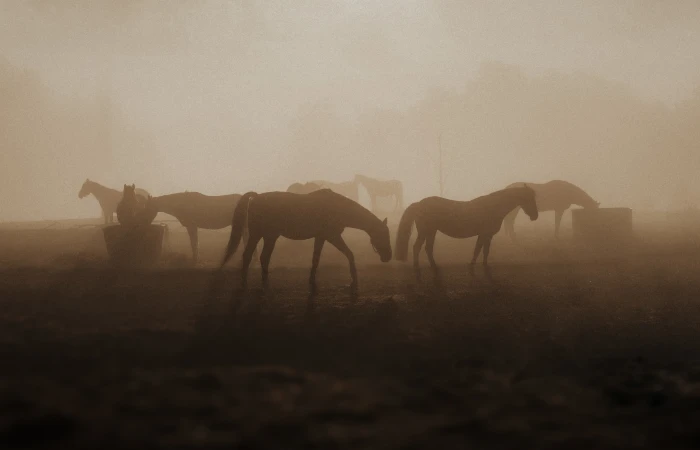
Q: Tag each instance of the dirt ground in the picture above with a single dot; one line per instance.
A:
(570, 345)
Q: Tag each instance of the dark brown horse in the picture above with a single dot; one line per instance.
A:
(194, 210)
(108, 198)
(131, 207)
(481, 217)
(321, 215)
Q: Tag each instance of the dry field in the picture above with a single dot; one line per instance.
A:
(569, 346)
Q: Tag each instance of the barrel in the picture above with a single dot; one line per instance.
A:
(602, 224)
(134, 246)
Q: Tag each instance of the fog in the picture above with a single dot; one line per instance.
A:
(231, 96)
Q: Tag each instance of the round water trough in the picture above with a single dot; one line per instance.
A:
(602, 224)
(134, 246)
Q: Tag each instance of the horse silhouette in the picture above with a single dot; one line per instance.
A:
(555, 195)
(347, 188)
(147, 214)
(195, 210)
(108, 198)
(382, 188)
(306, 188)
(480, 217)
(130, 207)
(321, 215)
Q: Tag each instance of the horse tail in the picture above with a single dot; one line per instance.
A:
(404, 232)
(509, 222)
(238, 224)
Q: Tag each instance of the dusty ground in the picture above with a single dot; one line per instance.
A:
(569, 346)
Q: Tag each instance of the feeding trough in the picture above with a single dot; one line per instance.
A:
(134, 246)
(602, 225)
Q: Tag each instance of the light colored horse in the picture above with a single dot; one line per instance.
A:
(555, 195)
(382, 188)
(321, 215)
(481, 217)
(108, 198)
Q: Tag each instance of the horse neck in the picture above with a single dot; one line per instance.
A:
(167, 204)
(103, 192)
(356, 216)
(583, 199)
(508, 201)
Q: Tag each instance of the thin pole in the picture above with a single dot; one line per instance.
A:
(442, 187)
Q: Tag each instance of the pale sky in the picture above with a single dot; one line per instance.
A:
(220, 84)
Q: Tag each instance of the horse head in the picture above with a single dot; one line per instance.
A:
(129, 193)
(86, 189)
(529, 203)
(381, 242)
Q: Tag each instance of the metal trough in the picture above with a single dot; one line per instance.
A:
(134, 246)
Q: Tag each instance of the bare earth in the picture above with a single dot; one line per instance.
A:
(569, 346)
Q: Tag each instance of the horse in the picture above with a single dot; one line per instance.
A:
(108, 198)
(195, 210)
(480, 217)
(347, 188)
(321, 215)
(130, 207)
(147, 214)
(555, 195)
(306, 188)
(382, 188)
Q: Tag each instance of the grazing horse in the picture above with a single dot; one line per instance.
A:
(306, 188)
(130, 208)
(555, 195)
(195, 210)
(481, 217)
(107, 197)
(347, 188)
(322, 215)
(382, 188)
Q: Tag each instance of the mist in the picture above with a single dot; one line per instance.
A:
(223, 97)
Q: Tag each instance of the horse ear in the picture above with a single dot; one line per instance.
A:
(125, 186)
(384, 221)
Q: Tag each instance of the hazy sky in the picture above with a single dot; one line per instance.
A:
(219, 84)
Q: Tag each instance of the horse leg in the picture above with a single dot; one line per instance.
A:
(340, 244)
(194, 242)
(557, 221)
(429, 246)
(318, 246)
(265, 255)
(247, 256)
(487, 248)
(477, 250)
(416, 253)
